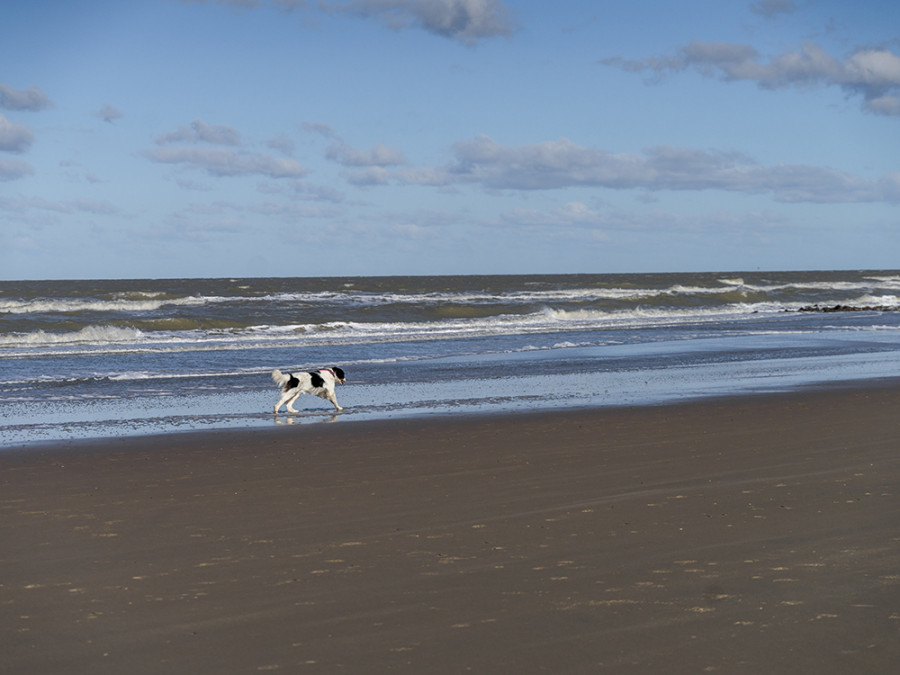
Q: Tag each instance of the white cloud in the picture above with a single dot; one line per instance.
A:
(94, 206)
(432, 176)
(14, 137)
(571, 214)
(292, 212)
(243, 4)
(563, 164)
(200, 131)
(226, 162)
(31, 99)
(772, 8)
(872, 73)
(13, 169)
(873, 68)
(22, 205)
(579, 222)
(467, 21)
(380, 155)
(208, 222)
(374, 175)
(283, 144)
(109, 113)
(318, 193)
(890, 186)
(191, 184)
(319, 128)
(188, 147)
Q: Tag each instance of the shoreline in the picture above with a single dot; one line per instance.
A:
(308, 421)
(737, 534)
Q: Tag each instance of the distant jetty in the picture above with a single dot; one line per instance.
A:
(849, 308)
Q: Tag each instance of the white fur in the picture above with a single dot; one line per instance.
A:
(304, 386)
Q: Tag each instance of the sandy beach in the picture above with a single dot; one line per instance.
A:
(745, 535)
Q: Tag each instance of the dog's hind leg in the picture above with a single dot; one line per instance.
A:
(281, 402)
(290, 405)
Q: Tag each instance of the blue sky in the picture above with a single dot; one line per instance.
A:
(166, 138)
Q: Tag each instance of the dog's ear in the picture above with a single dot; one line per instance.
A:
(339, 372)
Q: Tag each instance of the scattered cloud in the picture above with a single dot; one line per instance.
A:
(563, 164)
(323, 130)
(200, 131)
(13, 169)
(374, 175)
(188, 146)
(283, 144)
(31, 99)
(363, 168)
(571, 214)
(319, 193)
(23, 205)
(871, 73)
(772, 8)
(211, 221)
(578, 221)
(467, 21)
(226, 162)
(380, 155)
(431, 176)
(109, 113)
(14, 137)
(243, 4)
(191, 184)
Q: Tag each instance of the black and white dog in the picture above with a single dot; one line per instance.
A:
(318, 382)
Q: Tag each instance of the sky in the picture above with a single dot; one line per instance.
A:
(255, 138)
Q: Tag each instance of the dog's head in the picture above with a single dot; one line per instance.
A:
(338, 374)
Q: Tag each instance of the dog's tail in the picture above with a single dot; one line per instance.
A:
(279, 377)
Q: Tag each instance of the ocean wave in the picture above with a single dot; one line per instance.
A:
(88, 335)
(878, 301)
(880, 283)
(726, 289)
(79, 305)
(891, 280)
(145, 302)
(547, 319)
(196, 335)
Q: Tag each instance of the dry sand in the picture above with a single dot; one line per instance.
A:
(754, 535)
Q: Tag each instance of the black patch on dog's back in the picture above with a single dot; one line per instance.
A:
(316, 380)
(291, 383)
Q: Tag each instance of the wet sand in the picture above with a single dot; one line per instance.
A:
(749, 535)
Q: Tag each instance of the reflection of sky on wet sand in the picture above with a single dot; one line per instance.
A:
(616, 375)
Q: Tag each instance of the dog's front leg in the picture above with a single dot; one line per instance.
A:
(333, 399)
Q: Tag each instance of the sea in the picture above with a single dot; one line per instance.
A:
(110, 358)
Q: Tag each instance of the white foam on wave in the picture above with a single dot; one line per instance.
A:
(149, 301)
(545, 319)
(86, 335)
(867, 284)
(878, 301)
(77, 305)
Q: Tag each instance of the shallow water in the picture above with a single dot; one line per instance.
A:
(107, 358)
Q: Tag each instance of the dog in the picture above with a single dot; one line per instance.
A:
(318, 382)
